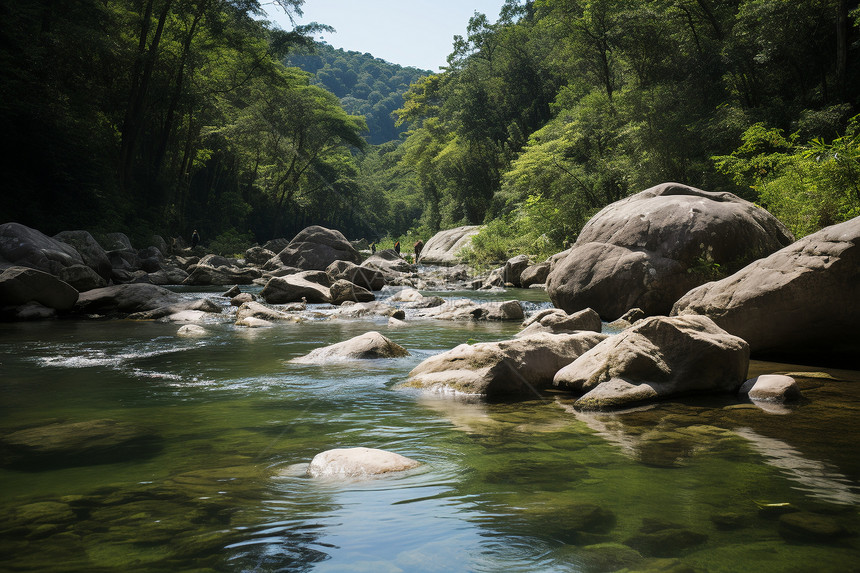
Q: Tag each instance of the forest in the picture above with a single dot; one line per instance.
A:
(160, 116)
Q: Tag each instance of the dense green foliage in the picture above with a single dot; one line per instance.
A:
(167, 115)
(366, 86)
(564, 106)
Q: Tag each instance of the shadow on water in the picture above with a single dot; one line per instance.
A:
(714, 484)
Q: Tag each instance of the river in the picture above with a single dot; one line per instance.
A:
(705, 483)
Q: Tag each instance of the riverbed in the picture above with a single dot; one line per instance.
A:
(523, 486)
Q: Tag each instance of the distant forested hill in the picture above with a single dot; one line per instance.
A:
(366, 85)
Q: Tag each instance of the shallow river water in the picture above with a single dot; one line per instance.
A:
(691, 485)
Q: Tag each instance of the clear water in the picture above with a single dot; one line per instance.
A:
(526, 486)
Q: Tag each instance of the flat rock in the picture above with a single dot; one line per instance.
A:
(126, 298)
(358, 463)
(371, 345)
(556, 321)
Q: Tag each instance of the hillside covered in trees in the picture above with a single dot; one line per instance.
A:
(167, 115)
(366, 86)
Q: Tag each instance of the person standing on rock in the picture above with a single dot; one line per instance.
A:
(418, 246)
(195, 238)
(397, 247)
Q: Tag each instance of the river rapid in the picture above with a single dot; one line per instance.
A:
(709, 484)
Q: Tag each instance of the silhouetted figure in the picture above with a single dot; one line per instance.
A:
(372, 248)
(195, 238)
(397, 247)
(418, 246)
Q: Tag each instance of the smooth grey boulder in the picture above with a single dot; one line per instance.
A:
(205, 274)
(464, 309)
(388, 262)
(363, 309)
(81, 277)
(258, 256)
(309, 285)
(556, 321)
(649, 249)
(517, 367)
(92, 253)
(116, 242)
(800, 303)
(365, 277)
(20, 285)
(444, 247)
(315, 248)
(659, 357)
(258, 311)
(771, 388)
(343, 291)
(169, 275)
(358, 463)
(371, 345)
(124, 260)
(534, 275)
(202, 305)
(22, 246)
(126, 298)
(66, 444)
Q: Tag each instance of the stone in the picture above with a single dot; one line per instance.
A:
(365, 277)
(664, 540)
(293, 288)
(534, 275)
(556, 321)
(92, 253)
(20, 285)
(358, 463)
(518, 367)
(126, 298)
(231, 292)
(204, 273)
(315, 248)
(263, 312)
(514, 268)
(66, 444)
(648, 249)
(191, 331)
(25, 247)
(81, 277)
(659, 357)
(771, 388)
(388, 262)
(343, 290)
(444, 247)
(116, 242)
(809, 527)
(258, 256)
(169, 275)
(800, 303)
(463, 309)
(202, 305)
(27, 311)
(242, 298)
(371, 345)
(254, 322)
(124, 260)
(363, 309)
(277, 245)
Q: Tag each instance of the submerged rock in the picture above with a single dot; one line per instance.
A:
(499, 369)
(65, 444)
(657, 358)
(370, 345)
(191, 331)
(358, 463)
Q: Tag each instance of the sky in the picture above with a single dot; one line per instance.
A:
(418, 33)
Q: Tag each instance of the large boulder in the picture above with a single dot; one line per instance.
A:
(313, 286)
(516, 367)
(358, 463)
(534, 275)
(514, 268)
(81, 277)
(366, 277)
(443, 247)
(213, 272)
(556, 321)
(64, 444)
(802, 302)
(258, 256)
(370, 345)
(343, 291)
(315, 248)
(257, 311)
(465, 309)
(116, 242)
(92, 253)
(20, 285)
(388, 261)
(649, 249)
(126, 298)
(659, 357)
(22, 246)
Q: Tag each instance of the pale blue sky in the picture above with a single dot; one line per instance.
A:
(416, 33)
